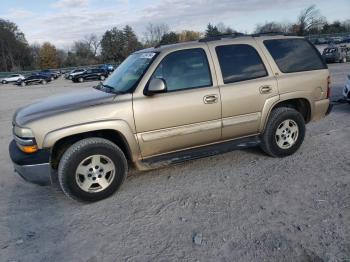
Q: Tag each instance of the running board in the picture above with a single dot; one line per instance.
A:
(200, 152)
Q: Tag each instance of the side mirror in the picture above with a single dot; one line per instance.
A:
(157, 85)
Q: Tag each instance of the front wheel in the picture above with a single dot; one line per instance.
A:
(284, 132)
(102, 78)
(80, 79)
(92, 169)
(23, 84)
(44, 82)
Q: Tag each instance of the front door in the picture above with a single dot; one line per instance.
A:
(188, 114)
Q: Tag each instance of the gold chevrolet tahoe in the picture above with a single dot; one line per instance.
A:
(170, 104)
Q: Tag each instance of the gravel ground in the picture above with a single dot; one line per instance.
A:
(239, 206)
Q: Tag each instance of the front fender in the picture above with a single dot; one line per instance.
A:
(117, 125)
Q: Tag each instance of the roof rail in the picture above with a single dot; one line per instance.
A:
(271, 34)
(221, 36)
(234, 35)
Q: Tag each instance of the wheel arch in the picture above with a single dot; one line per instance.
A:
(118, 133)
(301, 104)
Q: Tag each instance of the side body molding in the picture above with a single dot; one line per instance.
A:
(118, 125)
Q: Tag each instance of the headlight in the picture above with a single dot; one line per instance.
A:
(23, 132)
(25, 140)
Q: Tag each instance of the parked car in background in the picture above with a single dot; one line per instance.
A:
(34, 79)
(12, 78)
(334, 54)
(91, 74)
(49, 73)
(73, 73)
(346, 91)
(108, 67)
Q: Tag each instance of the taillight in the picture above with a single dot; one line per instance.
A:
(328, 86)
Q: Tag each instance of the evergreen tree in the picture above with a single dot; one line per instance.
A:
(211, 31)
(169, 38)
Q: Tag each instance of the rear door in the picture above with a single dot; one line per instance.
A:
(246, 83)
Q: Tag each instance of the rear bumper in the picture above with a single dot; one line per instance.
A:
(34, 168)
(321, 109)
(330, 107)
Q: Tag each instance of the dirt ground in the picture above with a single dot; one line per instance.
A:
(239, 206)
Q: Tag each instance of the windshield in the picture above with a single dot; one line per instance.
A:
(128, 74)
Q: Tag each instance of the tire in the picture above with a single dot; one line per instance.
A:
(44, 82)
(4, 81)
(80, 79)
(344, 60)
(284, 132)
(84, 152)
(102, 78)
(23, 84)
(70, 77)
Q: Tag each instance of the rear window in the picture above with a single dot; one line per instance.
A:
(294, 55)
(329, 50)
(239, 63)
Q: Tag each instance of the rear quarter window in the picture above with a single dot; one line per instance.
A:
(294, 55)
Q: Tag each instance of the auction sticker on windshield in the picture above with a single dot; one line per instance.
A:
(148, 55)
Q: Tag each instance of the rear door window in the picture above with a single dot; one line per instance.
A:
(239, 63)
(294, 55)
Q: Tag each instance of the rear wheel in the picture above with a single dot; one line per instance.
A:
(92, 169)
(80, 79)
(102, 78)
(344, 60)
(23, 84)
(284, 132)
(4, 81)
(44, 82)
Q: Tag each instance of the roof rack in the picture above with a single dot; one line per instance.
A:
(234, 35)
(271, 34)
(221, 36)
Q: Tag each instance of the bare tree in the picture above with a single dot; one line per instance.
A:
(310, 18)
(154, 33)
(94, 43)
(224, 29)
(273, 27)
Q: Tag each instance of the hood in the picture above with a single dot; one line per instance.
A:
(61, 103)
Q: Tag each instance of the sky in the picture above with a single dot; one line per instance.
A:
(62, 22)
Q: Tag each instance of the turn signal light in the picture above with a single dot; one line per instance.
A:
(28, 149)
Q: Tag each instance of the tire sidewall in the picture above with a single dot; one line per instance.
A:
(298, 119)
(68, 169)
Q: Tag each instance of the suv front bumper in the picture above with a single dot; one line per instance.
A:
(34, 168)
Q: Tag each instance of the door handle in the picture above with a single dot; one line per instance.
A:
(210, 99)
(265, 89)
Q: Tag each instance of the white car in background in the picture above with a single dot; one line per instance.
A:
(346, 91)
(12, 78)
